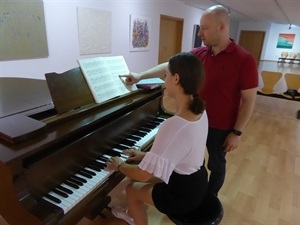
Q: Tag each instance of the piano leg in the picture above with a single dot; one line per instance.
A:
(10, 208)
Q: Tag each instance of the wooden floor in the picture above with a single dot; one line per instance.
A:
(262, 185)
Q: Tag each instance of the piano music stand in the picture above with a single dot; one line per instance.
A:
(69, 90)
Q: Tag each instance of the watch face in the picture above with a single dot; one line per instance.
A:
(237, 132)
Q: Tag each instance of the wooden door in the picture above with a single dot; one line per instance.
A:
(170, 37)
(252, 41)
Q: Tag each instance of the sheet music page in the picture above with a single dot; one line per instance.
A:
(102, 76)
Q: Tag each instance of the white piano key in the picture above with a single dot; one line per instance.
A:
(146, 139)
(60, 205)
(67, 202)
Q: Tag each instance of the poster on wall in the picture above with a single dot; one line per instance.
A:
(94, 31)
(22, 30)
(197, 41)
(140, 29)
(286, 41)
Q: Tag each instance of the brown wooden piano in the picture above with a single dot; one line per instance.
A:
(55, 140)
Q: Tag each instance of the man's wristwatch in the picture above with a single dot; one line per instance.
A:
(237, 132)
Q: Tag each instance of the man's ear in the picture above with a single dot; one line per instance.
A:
(177, 78)
(222, 26)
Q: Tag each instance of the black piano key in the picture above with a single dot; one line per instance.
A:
(135, 138)
(156, 123)
(69, 183)
(103, 164)
(146, 130)
(98, 164)
(94, 168)
(85, 174)
(61, 193)
(102, 158)
(65, 189)
(149, 126)
(71, 179)
(140, 133)
(89, 172)
(79, 179)
(112, 153)
(160, 120)
(53, 198)
(128, 142)
(123, 147)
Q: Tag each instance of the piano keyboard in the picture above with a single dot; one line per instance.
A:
(78, 186)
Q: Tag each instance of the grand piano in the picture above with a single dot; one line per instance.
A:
(55, 140)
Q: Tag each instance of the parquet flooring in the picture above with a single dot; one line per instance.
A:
(262, 185)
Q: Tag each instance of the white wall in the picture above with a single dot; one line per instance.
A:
(269, 51)
(273, 53)
(233, 31)
(62, 34)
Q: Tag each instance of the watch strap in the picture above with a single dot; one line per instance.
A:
(237, 132)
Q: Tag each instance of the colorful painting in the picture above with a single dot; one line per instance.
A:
(285, 41)
(139, 33)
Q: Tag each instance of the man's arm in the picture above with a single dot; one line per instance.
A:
(245, 111)
(157, 71)
(247, 105)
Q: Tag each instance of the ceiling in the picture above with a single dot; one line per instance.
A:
(276, 11)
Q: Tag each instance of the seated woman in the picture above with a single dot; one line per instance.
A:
(177, 155)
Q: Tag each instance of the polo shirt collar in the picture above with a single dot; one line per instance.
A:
(229, 49)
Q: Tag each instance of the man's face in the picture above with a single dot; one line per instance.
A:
(209, 32)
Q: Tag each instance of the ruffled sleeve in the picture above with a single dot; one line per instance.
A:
(157, 165)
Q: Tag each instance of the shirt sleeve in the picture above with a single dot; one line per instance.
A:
(249, 75)
(160, 167)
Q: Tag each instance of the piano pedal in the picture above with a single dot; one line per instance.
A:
(103, 216)
(98, 208)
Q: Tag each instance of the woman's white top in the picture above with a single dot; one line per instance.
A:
(179, 146)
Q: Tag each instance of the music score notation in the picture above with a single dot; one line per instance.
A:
(102, 76)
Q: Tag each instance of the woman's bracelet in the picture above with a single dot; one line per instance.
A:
(120, 164)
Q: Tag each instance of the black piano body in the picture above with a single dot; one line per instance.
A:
(69, 142)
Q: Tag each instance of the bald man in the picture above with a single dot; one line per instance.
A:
(229, 91)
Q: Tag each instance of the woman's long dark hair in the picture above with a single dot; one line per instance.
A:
(191, 77)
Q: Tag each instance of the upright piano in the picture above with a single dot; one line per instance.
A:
(58, 164)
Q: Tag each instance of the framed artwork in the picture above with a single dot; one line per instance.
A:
(22, 30)
(140, 29)
(94, 31)
(286, 41)
(197, 41)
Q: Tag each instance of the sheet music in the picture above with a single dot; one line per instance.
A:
(102, 76)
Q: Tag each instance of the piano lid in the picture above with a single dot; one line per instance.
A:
(19, 95)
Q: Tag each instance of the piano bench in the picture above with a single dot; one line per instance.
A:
(209, 213)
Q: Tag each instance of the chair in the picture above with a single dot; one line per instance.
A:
(269, 78)
(283, 55)
(293, 85)
(292, 56)
(210, 212)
